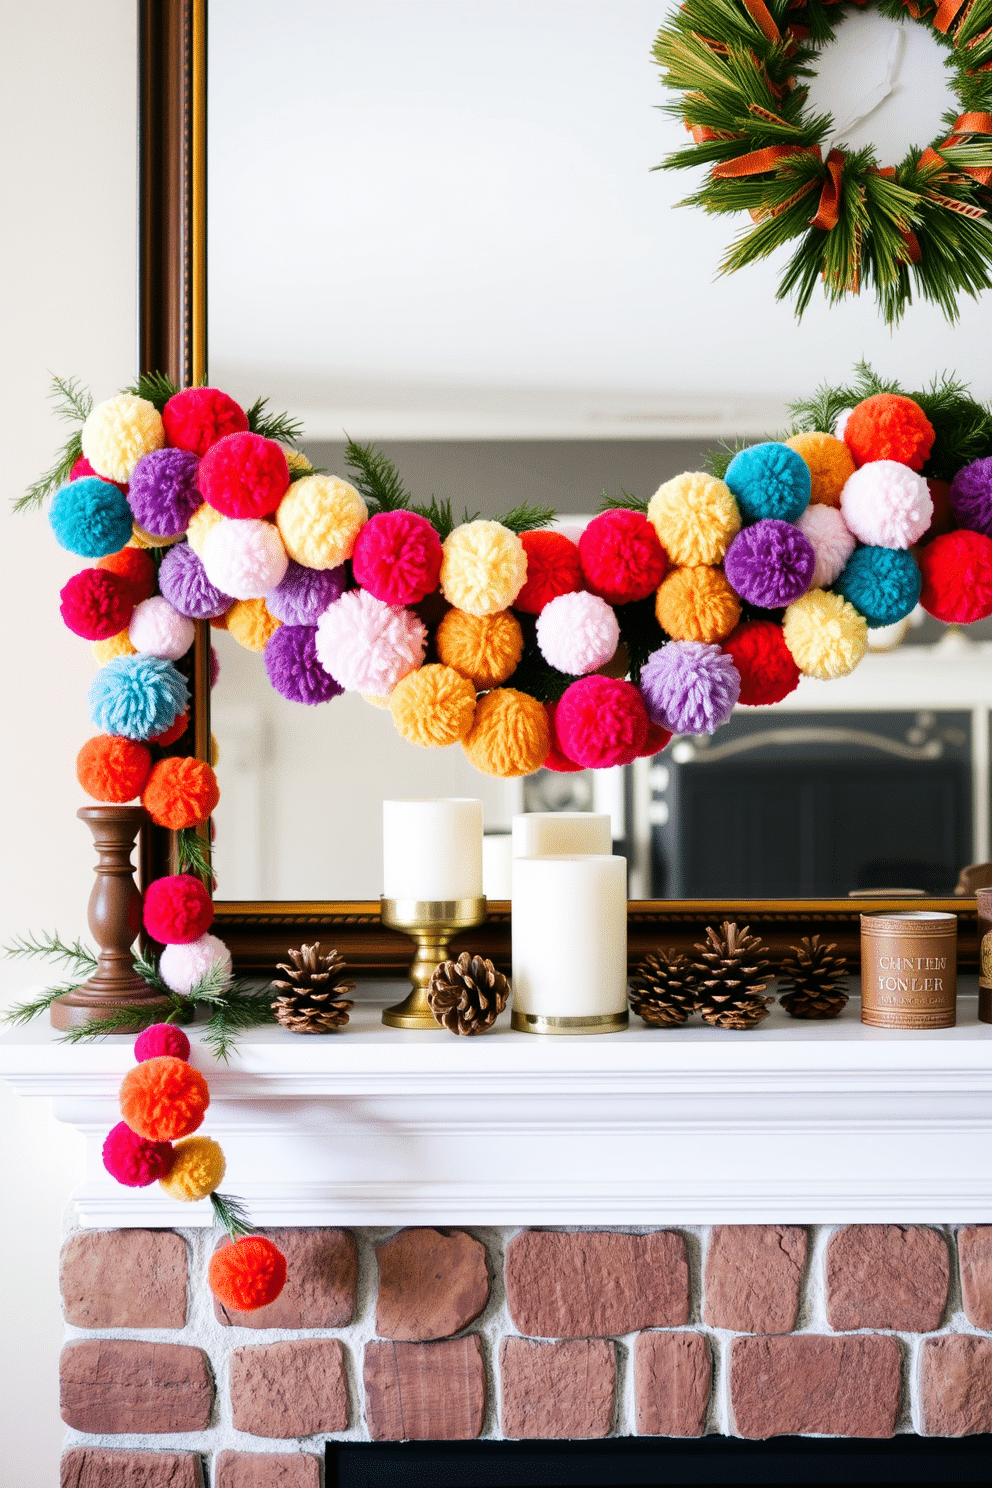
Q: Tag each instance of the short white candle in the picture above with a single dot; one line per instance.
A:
(497, 865)
(432, 849)
(545, 834)
(570, 936)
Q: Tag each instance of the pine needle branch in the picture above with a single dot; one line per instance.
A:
(236, 1014)
(50, 946)
(117, 1020)
(53, 478)
(148, 971)
(193, 854)
(376, 478)
(231, 1214)
(20, 1013)
(439, 515)
(73, 402)
(154, 387)
(626, 501)
(281, 427)
(526, 518)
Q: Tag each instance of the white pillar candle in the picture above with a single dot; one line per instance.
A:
(497, 865)
(545, 834)
(570, 937)
(432, 849)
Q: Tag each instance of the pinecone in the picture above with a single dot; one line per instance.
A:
(663, 989)
(467, 995)
(314, 999)
(732, 975)
(814, 980)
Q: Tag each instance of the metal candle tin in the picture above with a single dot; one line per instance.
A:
(909, 969)
(984, 898)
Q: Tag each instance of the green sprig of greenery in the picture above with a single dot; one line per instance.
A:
(376, 478)
(193, 854)
(234, 1014)
(281, 427)
(439, 514)
(154, 387)
(73, 405)
(626, 501)
(231, 1215)
(526, 518)
(20, 1013)
(49, 946)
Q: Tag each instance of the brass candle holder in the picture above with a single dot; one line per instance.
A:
(431, 923)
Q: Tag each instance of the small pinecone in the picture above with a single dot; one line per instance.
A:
(467, 995)
(314, 999)
(663, 989)
(732, 975)
(814, 980)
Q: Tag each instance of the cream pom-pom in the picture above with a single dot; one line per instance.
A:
(577, 633)
(368, 645)
(484, 567)
(159, 630)
(695, 517)
(887, 505)
(319, 519)
(244, 557)
(825, 634)
(832, 542)
(118, 432)
(182, 966)
(201, 524)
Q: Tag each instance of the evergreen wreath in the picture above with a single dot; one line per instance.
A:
(738, 67)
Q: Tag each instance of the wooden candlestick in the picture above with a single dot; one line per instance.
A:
(114, 921)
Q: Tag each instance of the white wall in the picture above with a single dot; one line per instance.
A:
(68, 100)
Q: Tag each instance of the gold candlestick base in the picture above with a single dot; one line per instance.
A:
(431, 923)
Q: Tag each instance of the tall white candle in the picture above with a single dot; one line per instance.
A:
(497, 865)
(432, 849)
(545, 834)
(570, 936)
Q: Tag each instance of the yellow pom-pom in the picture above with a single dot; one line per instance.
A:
(433, 706)
(142, 539)
(830, 465)
(510, 735)
(201, 523)
(484, 648)
(197, 1170)
(484, 567)
(116, 645)
(319, 519)
(695, 517)
(377, 702)
(251, 623)
(697, 604)
(825, 633)
(118, 432)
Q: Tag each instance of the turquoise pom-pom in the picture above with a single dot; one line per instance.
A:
(883, 584)
(137, 697)
(769, 480)
(91, 517)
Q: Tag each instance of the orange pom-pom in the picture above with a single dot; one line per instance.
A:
(176, 731)
(889, 426)
(510, 735)
(113, 769)
(830, 465)
(433, 706)
(484, 648)
(697, 604)
(180, 793)
(248, 1274)
(164, 1098)
(137, 568)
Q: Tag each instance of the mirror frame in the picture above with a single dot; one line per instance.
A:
(172, 338)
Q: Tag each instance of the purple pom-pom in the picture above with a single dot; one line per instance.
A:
(161, 1038)
(971, 496)
(293, 668)
(183, 580)
(689, 687)
(214, 667)
(133, 1160)
(163, 493)
(770, 564)
(305, 593)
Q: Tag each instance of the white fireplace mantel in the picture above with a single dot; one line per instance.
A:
(792, 1122)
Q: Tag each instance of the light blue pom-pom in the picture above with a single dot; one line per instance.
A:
(769, 480)
(137, 696)
(91, 517)
(883, 584)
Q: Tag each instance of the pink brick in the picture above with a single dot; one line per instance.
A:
(266, 1470)
(753, 1277)
(975, 1259)
(431, 1284)
(887, 1276)
(596, 1284)
(553, 1390)
(290, 1389)
(114, 1385)
(810, 1384)
(321, 1282)
(425, 1391)
(956, 1385)
(96, 1467)
(672, 1377)
(124, 1279)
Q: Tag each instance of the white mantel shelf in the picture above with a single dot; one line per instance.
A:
(792, 1122)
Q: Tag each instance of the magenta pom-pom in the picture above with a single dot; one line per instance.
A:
(161, 1038)
(197, 417)
(622, 558)
(133, 1160)
(177, 910)
(244, 475)
(601, 722)
(397, 557)
(96, 604)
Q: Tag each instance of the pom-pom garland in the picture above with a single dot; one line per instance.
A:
(159, 630)
(184, 583)
(695, 517)
(970, 496)
(251, 623)
(770, 480)
(177, 909)
(136, 568)
(622, 559)
(135, 1161)
(367, 646)
(433, 706)
(577, 633)
(244, 558)
(114, 646)
(113, 769)
(770, 564)
(831, 539)
(553, 567)
(201, 524)
(825, 634)
(764, 663)
(182, 966)
(658, 739)
(244, 476)
(181, 792)
(883, 584)
(690, 687)
(957, 577)
(90, 517)
(163, 493)
(197, 417)
(483, 568)
(319, 520)
(889, 426)
(697, 604)
(118, 432)
(248, 1274)
(163, 1099)
(161, 1038)
(601, 722)
(484, 648)
(304, 594)
(196, 1172)
(137, 696)
(294, 669)
(397, 557)
(96, 604)
(830, 463)
(510, 734)
(886, 505)
(557, 759)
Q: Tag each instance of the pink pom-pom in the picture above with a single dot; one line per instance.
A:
(557, 759)
(577, 633)
(159, 630)
(831, 539)
(96, 604)
(368, 646)
(887, 505)
(177, 909)
(622, 558)
(244, 558)
(601, 722)
(133, 1160)
(397, 557)
(161, 1038)
(197, 417)
(244, 475)
(182, 966)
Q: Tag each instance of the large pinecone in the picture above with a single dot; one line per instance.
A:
(314, 999)
(663, 989)
(732, 974)
(814, 980)
(467, 995)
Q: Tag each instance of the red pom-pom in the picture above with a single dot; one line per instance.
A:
(943, 519)
(136, 568)
(397, 557)
(557, 759)
(622, 559)
(553, 567)
(957, 577)
(164, 1099)
(177, 909)
(181, 792)
(113, 769)
(657, 739)
(601, 722)
(248, 1274)
(768, 673)
(159, 1039)
(96, 605)
(244, 475)
(171, 734)
(133, 1160)
(197, 417)
(82, 468)
(889, 427)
